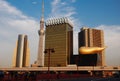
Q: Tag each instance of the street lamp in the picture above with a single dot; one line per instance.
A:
(50, 50)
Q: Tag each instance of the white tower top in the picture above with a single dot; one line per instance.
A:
(42, 16)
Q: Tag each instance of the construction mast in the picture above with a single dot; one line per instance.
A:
(40, 58)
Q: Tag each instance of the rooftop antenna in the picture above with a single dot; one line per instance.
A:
(42, 16)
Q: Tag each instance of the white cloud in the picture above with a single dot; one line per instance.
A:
(55, 2)
(12, 23)
(62, 9)
(73, 1)
(34, 3)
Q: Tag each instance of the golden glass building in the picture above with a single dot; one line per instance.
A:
(59, 35)
(89, 37)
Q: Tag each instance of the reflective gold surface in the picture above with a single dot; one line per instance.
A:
(90, 50)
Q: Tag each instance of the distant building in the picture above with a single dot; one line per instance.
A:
(21, 56)
(89, 37)
(59, 35)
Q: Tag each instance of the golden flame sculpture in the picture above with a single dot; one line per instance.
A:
(90, 50)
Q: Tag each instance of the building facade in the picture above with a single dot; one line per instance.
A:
(21, 56)
(59, 35)
(89, 37)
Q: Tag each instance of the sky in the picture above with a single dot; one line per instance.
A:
(23, 17)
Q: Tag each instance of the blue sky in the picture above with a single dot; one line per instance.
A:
(89, 12)
(23, 16)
